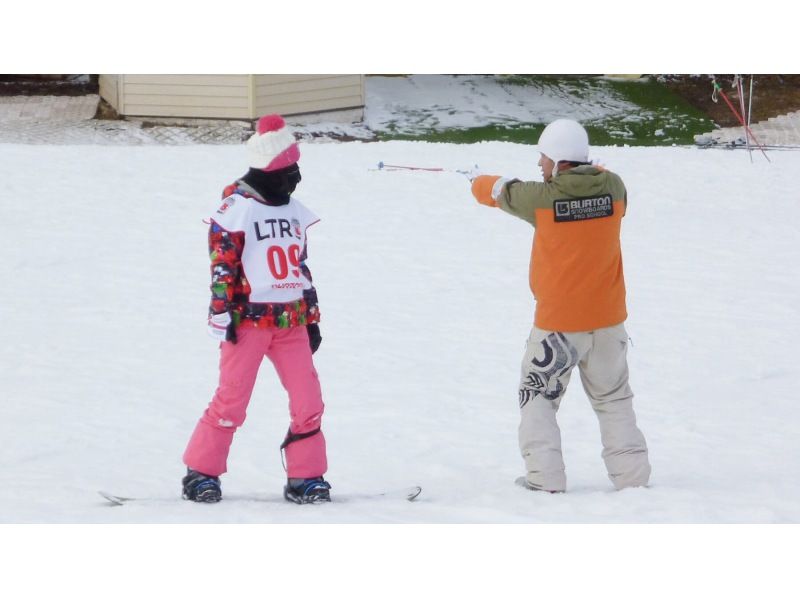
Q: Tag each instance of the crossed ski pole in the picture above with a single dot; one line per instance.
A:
(739, 117)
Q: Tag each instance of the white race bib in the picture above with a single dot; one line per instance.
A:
(275, 237)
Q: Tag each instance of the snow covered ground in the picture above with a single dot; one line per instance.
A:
(106, 365)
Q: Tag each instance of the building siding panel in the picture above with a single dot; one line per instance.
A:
(301, 94)
(108, 89)
(307, 107)
(185, 90)
(217, 80)
(164, 111)
(233, 96)
(188, 101)
(305, 83)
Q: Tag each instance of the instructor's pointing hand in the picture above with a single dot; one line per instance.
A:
(482, 189)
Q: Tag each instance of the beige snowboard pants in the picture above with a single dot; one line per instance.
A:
(601, 357)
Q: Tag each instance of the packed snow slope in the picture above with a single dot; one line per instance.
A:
(106, 365)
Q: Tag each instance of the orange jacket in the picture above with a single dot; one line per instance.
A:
(576, 260)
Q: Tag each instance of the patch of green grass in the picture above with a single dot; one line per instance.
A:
(527, 133)
(657, 116)
(663, 118)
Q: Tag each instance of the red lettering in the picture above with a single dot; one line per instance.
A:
(276, 260)
(279, 264)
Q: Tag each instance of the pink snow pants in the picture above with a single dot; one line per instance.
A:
(289, 352)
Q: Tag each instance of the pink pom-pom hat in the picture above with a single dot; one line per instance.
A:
(273, 145)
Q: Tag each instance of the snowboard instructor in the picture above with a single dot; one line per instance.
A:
(577, 281)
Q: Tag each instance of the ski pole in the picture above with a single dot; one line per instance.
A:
(388, 167)
(381, 166)
(741, 120)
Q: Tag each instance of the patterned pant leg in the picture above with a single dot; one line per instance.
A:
(546, 368)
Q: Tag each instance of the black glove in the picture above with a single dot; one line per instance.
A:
(230, 333)
(314, 337)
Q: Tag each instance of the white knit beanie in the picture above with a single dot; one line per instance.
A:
(273, 145)
(564, 140)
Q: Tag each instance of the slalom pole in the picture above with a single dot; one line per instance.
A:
(740, 91)
(718, 89)
(750, 109)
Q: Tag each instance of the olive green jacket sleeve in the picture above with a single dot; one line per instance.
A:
(521, 199)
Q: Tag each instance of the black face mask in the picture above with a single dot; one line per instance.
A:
(275, 186)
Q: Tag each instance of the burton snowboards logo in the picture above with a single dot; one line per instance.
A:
(586, 208)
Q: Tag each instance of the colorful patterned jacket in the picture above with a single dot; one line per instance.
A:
(230, 289)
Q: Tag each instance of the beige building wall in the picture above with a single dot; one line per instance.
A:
(230, 96)
(303, 94)
(108, 89)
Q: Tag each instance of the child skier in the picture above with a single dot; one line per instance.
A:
(263, 303)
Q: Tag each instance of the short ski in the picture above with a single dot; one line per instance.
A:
(113, 499)
(740, 144)
(413, 492)
(410, 493)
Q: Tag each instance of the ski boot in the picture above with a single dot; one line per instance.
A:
(306, 491)
(200, 487)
